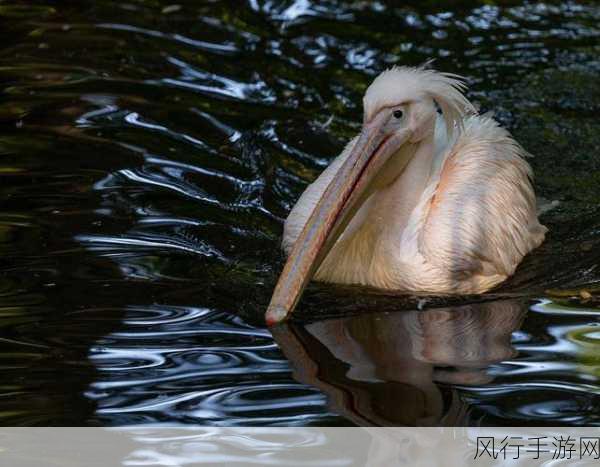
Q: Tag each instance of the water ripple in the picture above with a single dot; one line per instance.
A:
(149, 153)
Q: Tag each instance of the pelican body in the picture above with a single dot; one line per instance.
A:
(420, 201)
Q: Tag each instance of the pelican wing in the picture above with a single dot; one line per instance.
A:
(481, 218)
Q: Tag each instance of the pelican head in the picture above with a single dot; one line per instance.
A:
(400, 112)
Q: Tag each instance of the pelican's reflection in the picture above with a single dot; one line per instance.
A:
(382, 368)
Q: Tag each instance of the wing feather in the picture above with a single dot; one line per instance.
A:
(482, 219)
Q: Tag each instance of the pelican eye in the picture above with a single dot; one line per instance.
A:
(398, 114)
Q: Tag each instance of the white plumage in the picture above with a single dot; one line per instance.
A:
(458, 221)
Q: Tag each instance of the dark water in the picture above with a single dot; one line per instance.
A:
(149, 153)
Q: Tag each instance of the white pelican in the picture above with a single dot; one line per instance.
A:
(417, 202)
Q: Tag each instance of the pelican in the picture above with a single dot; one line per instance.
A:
(420, 201)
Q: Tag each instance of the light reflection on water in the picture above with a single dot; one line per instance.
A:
(191, 368)
(199, 367)
(149, 157)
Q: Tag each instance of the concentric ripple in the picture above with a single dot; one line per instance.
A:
(197, 366)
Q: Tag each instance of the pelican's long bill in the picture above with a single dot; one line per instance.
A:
(349, 188)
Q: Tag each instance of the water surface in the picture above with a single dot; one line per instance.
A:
(149, 152)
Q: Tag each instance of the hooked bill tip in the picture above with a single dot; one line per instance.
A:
(275, 315)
